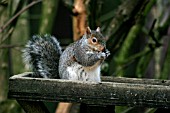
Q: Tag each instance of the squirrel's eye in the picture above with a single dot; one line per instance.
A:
(94, 39)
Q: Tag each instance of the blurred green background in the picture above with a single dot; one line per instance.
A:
(137, 31)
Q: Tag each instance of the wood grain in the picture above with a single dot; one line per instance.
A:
(126, 91)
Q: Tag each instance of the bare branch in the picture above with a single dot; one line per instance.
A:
(17, 14)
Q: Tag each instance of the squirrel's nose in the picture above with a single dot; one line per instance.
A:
(101, 48)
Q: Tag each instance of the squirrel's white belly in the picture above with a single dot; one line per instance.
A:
(79, 72)
(94, 74)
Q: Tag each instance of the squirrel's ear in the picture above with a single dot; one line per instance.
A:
(88, 30)
(98, 29)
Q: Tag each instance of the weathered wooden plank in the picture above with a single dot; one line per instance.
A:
(136, 80)
(118, 79)
(144, 93)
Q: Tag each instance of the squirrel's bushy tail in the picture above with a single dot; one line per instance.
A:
(42, 53)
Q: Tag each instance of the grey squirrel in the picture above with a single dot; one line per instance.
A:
(81, 60)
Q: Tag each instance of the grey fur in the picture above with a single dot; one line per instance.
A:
(84, 56)
(79, 61)
(42, 54)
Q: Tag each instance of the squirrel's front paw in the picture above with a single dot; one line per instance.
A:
(107, 52)
(104, 54)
